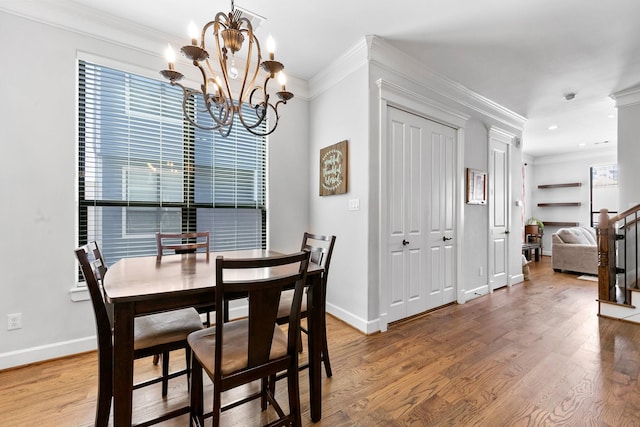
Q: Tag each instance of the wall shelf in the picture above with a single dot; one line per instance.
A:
(563, 204)
(569, 184)
(560, 223)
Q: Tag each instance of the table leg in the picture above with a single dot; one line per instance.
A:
(314, 298)
(536, 254)
(123, 364)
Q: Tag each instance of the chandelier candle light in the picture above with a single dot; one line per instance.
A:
(215, 94)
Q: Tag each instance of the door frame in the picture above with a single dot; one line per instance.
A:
(392, 95)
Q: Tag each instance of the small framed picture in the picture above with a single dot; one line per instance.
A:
(476, 187)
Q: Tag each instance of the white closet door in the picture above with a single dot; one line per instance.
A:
(420, 250)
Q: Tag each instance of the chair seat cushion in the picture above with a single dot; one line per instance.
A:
(286, 299)
(234, 349)
(163, 328)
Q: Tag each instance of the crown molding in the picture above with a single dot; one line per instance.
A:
(386, 56)
(343, 66)
(627, 97)
(86, 21)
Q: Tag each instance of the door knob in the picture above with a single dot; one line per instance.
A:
(404, 242)
(444, 239)
(507, 232)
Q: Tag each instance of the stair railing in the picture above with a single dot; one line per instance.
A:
(617, 254)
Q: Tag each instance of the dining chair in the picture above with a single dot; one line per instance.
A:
(184, 243)
(321, 248)
(253, 348)
(153, 334)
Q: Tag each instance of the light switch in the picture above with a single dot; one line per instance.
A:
(354, 204)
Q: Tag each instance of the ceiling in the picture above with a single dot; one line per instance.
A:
(526, 55)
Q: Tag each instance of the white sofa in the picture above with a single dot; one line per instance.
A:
(575, 249)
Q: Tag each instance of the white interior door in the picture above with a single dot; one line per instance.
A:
(498, 179)
(420, 241)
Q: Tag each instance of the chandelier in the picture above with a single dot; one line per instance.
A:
(216, 94)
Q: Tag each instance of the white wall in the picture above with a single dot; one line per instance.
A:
(476, 217)
(562, 169)
(337, 114)
(288, 197)
(628, 103)
(38, 134)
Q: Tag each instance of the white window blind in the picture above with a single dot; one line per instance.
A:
(143, 169)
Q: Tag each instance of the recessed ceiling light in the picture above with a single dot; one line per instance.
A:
(611, 116)
(569, 96)
(582, 144)
(553, 127)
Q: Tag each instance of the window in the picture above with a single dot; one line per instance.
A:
(144, 169)
(604, 190)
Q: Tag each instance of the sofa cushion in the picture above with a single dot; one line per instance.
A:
(577, 235)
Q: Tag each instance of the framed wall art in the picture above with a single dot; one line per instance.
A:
(476, 187)
(334, 169)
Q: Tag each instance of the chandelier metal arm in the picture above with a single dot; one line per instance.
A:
(220, 122)
(260, 110)
(218, 99)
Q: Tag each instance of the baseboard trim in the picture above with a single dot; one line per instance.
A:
(366, 326)
(515, 279)
(480, 291)
(41, 353)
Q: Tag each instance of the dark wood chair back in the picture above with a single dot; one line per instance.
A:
(321, 248)
(181, 243)
(91, 263)
(263, 296)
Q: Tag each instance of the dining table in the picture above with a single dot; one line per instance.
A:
(143, 285)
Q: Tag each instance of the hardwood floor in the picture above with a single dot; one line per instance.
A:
(535, 354)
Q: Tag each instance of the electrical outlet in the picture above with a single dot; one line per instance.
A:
(14, 321)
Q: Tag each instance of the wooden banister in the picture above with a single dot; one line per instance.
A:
(621, 215)
(606, 237)
(605, 234)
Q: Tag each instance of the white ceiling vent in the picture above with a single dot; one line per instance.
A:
(255, 19)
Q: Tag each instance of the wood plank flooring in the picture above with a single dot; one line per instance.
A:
(535, 354)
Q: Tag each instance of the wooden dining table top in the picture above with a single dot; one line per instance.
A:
(145, 278)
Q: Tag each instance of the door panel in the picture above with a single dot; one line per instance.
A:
(415, 298)
(396, 179)
(397, 278)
